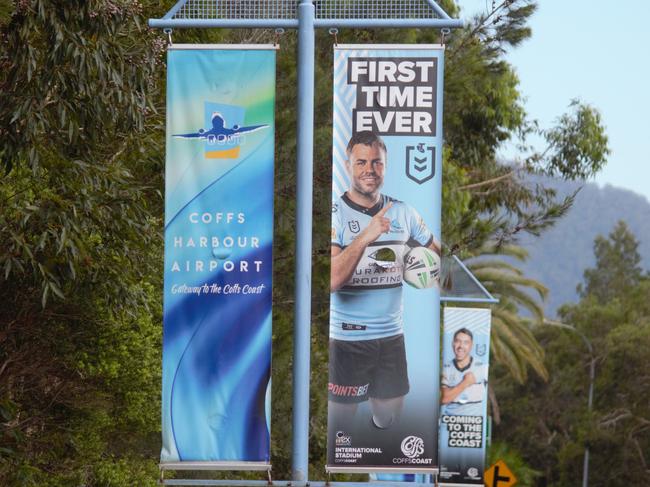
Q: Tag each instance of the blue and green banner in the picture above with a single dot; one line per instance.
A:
(383, 386)
(218, 254)
(464, 395)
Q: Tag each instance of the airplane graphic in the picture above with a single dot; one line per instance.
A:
(219, 133)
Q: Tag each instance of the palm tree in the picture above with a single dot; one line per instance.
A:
(512, 342)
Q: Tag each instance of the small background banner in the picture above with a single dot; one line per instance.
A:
(463, 423)
(393, 93)
(218, 239)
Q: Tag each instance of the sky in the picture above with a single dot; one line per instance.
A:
(599, 52)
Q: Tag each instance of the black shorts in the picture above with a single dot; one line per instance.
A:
(367, 368)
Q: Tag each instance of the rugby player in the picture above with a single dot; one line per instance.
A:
(464, 379)
(371, 233)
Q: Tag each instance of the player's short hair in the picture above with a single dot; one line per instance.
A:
(465, 331)
(365, 137)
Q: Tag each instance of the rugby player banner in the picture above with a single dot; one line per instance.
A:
(384, 373)
(218, 239)
(463, 421)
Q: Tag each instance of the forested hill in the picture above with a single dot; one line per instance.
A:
(559, 257)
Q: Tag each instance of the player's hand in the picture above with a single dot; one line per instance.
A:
(469, 379)
(378, 225)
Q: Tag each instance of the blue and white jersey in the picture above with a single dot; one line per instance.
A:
(470, 401)
(369, 305)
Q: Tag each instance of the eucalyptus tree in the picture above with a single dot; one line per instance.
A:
(550, 423)
(80, 246)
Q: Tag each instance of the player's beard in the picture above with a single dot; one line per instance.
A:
(370, 191)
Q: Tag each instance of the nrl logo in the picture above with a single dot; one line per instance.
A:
(420, 162)
(481, 349)
(354, 226)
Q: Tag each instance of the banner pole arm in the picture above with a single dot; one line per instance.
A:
(174, 10)
(304, 182)
(438, 10)
(389, 23)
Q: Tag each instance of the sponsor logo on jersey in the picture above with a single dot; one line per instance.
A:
(395, 227)
(378, 268)
(353, 327)
(384, 258)
(376, 276)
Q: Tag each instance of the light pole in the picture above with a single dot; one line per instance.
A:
(592, 375)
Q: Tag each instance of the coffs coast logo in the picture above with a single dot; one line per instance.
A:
(221, 140)
(412, 448)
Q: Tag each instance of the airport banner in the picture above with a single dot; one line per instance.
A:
(383, 387)
(218, 255)
(463, 398)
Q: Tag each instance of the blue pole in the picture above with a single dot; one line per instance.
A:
(302, 323)
(224, 23)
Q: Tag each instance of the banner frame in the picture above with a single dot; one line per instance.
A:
(384, 47)
(331, 469)
(224, 47)
(252, 466)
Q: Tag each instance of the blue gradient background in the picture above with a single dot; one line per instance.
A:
(217, 347)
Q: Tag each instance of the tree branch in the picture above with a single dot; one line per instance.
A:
(487, 181)
(494, 404)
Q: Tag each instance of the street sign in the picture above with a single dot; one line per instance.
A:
(499, 475)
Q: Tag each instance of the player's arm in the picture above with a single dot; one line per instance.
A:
(344, 261)
(435, 246)
(421, 234)
(451, 393)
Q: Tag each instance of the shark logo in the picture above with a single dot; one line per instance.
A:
(420, 162)
(395, 227)
(221, 141)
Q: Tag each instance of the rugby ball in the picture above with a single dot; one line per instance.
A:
(422, 268)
